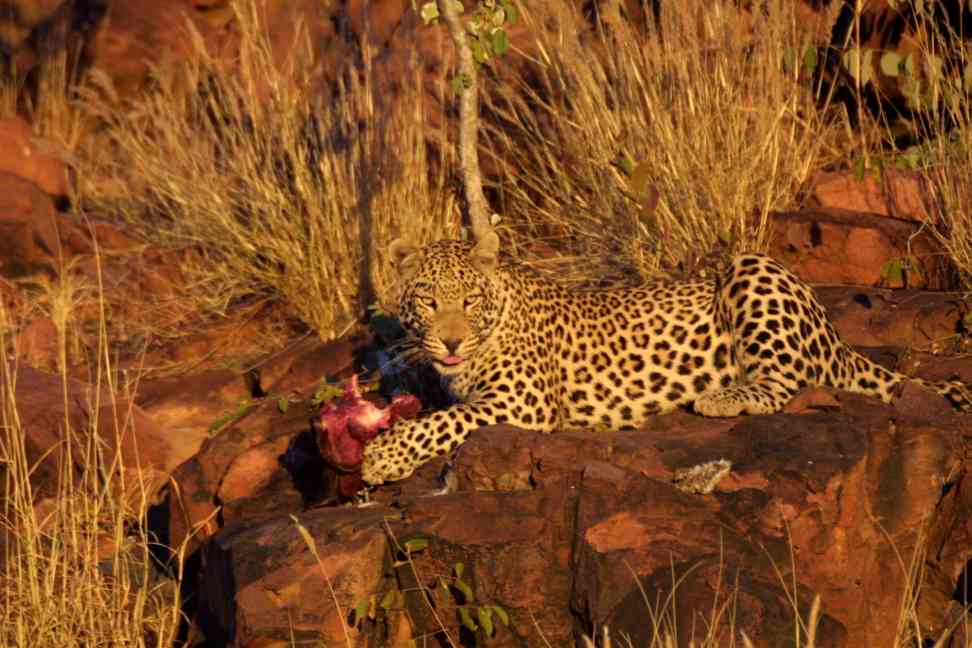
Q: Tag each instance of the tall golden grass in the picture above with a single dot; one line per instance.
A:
(76, 568)
(272, 188)
(724, 128)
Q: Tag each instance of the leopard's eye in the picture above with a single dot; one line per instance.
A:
(426, 300)
(471, 300)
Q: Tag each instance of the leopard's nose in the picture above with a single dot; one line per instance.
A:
(451, 344)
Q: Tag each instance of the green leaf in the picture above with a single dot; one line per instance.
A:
(387, 600)
(789, 59)
(462, 586)
(891, 63)
(479, 51)
(910, 158)
(486, 620)
(283, 404)
(458, 569)
(909, 65)
(893, 272)
(360, 609)
(858, 63)
(415, 545)
(501, 42)
(467, 619)
(502, 614)
(429, 12)
(326, 393)
(625, 164)
(810, 59)
(512, 15)
(934, 65)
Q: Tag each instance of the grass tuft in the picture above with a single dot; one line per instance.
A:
(271, 189)
(725, 131)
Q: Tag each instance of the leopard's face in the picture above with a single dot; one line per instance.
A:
(449, 305)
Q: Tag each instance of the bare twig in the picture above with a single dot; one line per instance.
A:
(472, 177)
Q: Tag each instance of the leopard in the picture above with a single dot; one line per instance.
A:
(519, 348)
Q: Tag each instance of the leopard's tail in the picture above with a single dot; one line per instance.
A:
(865, 376)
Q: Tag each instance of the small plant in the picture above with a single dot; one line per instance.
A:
(469, 614)
(228, 418)
(486, 28)
(901, 272)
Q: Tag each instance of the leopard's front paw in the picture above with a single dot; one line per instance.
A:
(384, 461)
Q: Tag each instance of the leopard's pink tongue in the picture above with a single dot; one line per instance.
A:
(452, 360)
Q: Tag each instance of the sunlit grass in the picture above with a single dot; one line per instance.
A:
(725, 129)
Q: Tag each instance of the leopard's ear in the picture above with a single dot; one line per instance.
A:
(485, 254)
(405, 257)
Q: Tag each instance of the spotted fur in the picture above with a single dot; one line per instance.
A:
(542, 357)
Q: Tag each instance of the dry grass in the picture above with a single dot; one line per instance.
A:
(940, 124)
(75, 568)
(273, 190)
(725, 132)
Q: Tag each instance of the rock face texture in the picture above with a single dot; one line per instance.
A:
(571, 530)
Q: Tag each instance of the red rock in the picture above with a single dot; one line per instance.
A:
(19, 17)
(834, 246)
(904, 195)
(249, 596)
(905, 319)
(33, 235)
(37, 344)
(29, 157)
(260, 461)
(145, 449)
(815, 481)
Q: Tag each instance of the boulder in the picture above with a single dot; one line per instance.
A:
(19, 17)
(894, 193)
(903, 319)
(46, 404)
(576, 530)
(836, 246)
(34, 236)
(259, 457)
(30, 157)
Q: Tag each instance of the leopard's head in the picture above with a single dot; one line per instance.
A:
(450, 299)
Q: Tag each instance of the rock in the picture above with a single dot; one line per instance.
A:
(134, 36)
(904, 319)
(29, 157)
(795, 474)
(510, 549)
(32, 233)
(899, 194)
(19, 17)
(834, 246)
(588, 524)
(262, 583)
(37, 343)
(146, 450)
(257, 461)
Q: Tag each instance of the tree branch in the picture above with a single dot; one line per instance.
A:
(472, 177)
